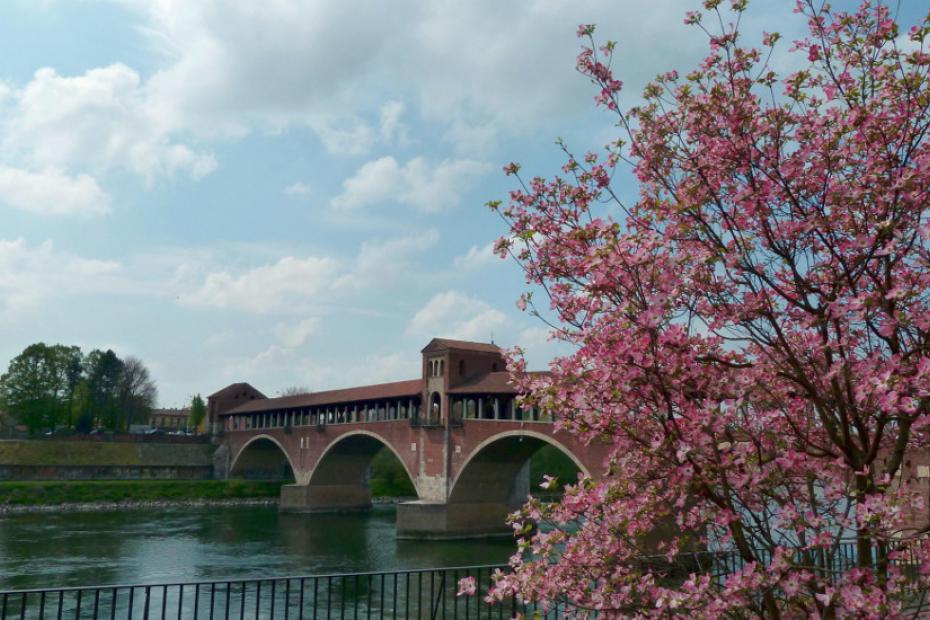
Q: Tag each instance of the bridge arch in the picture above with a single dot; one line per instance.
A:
(496, 470)
(339, 479)
(262, 456)
(354, 444)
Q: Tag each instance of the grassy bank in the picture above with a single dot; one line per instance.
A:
(105, 491)
(100, 454)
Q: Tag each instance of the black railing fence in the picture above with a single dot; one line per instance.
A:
(422, 593)
(428, 593)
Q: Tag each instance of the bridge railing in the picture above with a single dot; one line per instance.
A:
(426, 593)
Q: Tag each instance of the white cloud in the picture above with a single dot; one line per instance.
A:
(295, 335)
(298, 188)
(497, 68)
(375, 181)
(101, 120)
(52, 192)
(287, 284)
(380, 264)
(391, 126)
(31, 276)
(454, 315)
(295, 284)
(418, 184)
(347, 136)
(476, 258)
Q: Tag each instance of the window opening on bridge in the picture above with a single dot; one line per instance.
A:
(461, 368)
(435, 408)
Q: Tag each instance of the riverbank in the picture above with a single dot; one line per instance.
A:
(57, 460)
(70, 496)
(27, 497)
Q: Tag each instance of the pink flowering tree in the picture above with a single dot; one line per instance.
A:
(751, 335)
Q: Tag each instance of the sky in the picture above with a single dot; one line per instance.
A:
(291, 192)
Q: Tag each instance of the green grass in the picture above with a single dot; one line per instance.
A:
(74, 492)
(102, 453)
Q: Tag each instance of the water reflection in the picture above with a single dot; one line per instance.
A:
(214, 543)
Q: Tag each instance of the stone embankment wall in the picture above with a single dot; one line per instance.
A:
(76, 460)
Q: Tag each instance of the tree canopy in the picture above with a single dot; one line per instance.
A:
(751, 335)
(50, 386)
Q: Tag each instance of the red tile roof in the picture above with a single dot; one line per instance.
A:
(446, 343)
(235, 387)
(397, 389)
(491, 383)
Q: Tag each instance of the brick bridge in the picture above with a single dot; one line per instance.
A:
(457, 430)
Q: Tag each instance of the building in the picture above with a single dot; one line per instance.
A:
(171, 419)
(228, 398)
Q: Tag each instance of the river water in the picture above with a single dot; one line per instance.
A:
(73, 549)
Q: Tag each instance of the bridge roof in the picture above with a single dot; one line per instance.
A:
(491, 383)
(397, 389)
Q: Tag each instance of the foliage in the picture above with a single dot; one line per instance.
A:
(294, 390)
(388, 478)
(198, 411)
(752, 335)
(552, 462)
(104, 371)
(50, 386)
(136, 392)
(36, 388)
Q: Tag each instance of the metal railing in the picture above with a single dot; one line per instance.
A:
(420, 593)
(426, 593)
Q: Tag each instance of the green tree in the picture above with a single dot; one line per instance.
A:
(137, 393)
(104, 372)
(198, 411)
(70, 365)
(34, 387)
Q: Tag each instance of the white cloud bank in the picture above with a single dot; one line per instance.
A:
(455, 315)
(102, 120)
(52, 192)
(480, 69)
(296, 284)
(428, 188)
(31, 276)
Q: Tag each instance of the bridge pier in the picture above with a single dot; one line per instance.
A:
(324, 498)
(424, 520)
(475, 512)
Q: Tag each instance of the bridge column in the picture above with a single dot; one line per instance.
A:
(324, 498)
(482, 512)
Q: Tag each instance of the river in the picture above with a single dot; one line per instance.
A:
(74, 549)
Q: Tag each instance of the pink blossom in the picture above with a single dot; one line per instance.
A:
(467, 586)
(748, 335)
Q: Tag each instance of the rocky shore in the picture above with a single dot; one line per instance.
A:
(6, 509)
(14, 509)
